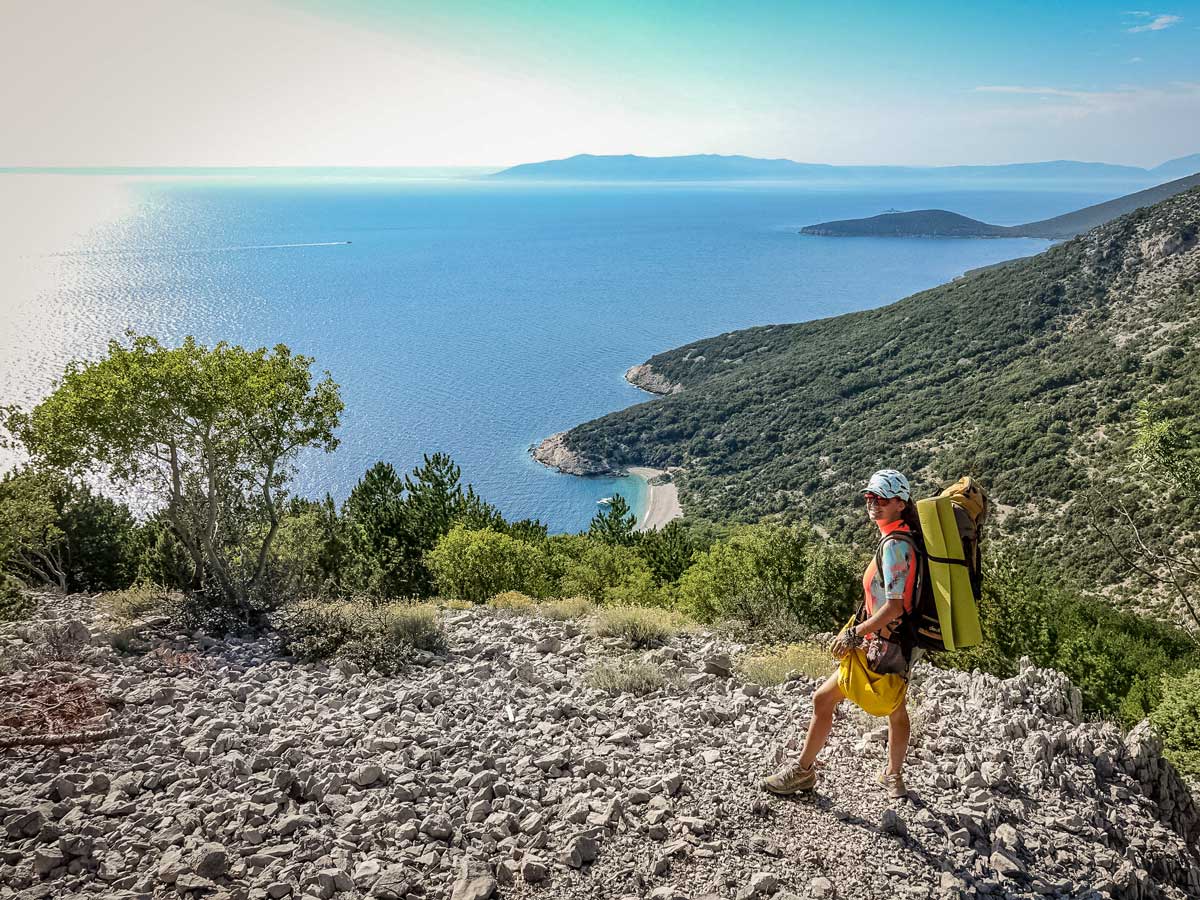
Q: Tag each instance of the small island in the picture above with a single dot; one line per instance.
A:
(942, 223)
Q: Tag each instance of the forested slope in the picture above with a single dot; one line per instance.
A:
(1027, 376)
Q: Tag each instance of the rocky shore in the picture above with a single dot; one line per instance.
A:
(644, 377)
(555, 453)
(497, 771)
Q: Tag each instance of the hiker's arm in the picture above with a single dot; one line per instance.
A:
(893, 609)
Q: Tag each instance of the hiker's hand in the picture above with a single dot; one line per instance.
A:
(843, 643)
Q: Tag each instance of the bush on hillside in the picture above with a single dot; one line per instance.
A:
(477, 564)
(764, 573)
(1115, 658)
(370, 635)
(15, 603)
(1176, 719)
(566, 608)
(606, 574)
(627, 676)
(513, 603)
(642, 627)
(57, 532)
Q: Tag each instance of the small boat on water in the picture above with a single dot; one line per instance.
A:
(605, 501)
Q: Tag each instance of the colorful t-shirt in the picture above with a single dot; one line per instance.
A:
(899, 576)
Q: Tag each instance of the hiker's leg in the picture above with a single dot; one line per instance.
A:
(898, 731)
(825, 701)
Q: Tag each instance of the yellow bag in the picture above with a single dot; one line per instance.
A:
(878, 695)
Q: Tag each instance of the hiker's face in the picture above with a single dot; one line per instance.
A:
(884, 510)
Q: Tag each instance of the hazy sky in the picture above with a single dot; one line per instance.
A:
(491, 82)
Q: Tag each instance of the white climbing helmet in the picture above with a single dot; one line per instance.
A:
(889, 483)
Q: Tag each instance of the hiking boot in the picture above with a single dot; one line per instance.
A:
(894, 784)
(791, 779)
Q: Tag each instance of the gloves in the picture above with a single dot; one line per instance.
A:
(846, 641)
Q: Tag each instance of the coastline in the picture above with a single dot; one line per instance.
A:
(662, 500)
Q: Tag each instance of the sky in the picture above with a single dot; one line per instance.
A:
(500, 82)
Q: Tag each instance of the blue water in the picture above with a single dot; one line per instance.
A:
(462, 316)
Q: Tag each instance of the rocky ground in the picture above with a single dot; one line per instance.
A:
(497, 771)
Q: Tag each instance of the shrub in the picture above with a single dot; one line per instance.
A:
(15, 603)
(135, 603)
(641, 626)
(763, 573)
(775, 666)
(627, 676)
(514, 603)
(372, 636)
(477, 564)
(605, 573)
(566, 608)
(1176, 719)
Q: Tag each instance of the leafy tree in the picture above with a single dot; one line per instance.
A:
(668, 551)
(57, 532)
(606, 573)
(210, 433)
(763, 573)
(1177, 721)
(1164, 555)
(393, 523)
(475, 565)
(614, 523)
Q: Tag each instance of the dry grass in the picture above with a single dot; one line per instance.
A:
(641, 626)
(513, 603)
(137, 602)
(780, 664)
(627, 676)
(566, 608)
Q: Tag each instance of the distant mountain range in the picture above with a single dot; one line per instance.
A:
(710, 167)
(943, 223)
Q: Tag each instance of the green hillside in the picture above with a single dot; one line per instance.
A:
(1027, 376)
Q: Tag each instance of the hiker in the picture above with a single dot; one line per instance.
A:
(887, 596)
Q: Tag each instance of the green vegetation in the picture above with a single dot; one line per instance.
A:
(56, 532)
(1176, 719)
(768, 573)
(1015, 376)
(210, 433)
(514, 603)
(370, 635)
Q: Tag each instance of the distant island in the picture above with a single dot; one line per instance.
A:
(713, 167)
(943, 223)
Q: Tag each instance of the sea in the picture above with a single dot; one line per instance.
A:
(458, 313)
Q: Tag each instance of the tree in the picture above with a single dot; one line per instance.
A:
(475, 565)
(1166, 460)
(394, 523)
(211, 434)
(668, 551)
(764, 573)
(614, 523)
